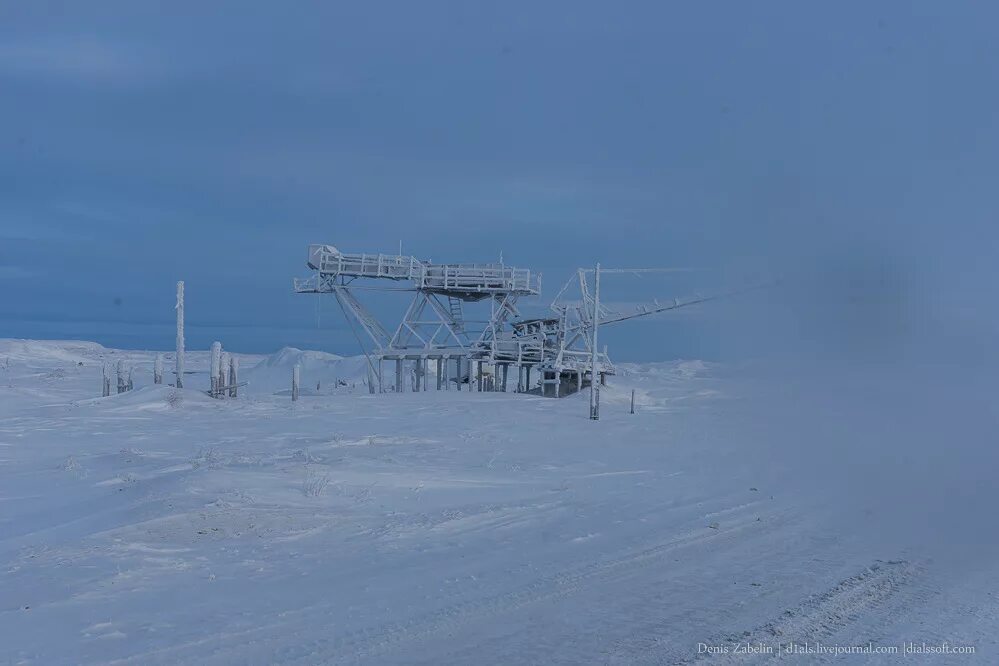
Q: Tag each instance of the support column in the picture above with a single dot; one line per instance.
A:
(398, 375)
(457, 362)
(527, 379)
(418, 372)
(478, 373)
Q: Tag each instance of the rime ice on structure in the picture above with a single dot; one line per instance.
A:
(477, 351)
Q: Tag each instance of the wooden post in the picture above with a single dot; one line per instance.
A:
(213, 372)
(296, 378)
(632, 401)
(179, 383)
(233, 375)
(223, 374)
(158, 369)
(122, 386)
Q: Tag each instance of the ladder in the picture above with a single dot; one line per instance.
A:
(454, 305)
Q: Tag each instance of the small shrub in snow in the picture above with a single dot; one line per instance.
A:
(316, 481)
(73, 466)
(208, 458)
(175, 398)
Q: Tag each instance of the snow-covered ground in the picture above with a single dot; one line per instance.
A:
(161, 526)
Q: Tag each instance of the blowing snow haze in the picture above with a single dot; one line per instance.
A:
(846, 152)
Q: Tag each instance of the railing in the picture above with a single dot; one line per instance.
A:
(443, 277)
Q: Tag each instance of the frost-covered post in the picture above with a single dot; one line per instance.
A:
(105, 380)
(296, 377)
(128, 385)
(216, 364)
(632, 401)
(122, 387)
(233, 375)
(594, 391)
(371, 380)
(224, 374)
(158, 369)
(180, 334)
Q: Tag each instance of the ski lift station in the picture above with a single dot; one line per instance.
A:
(463, 323)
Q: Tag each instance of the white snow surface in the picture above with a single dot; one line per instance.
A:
(161, 526)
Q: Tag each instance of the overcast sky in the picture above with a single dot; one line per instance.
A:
(850, 147)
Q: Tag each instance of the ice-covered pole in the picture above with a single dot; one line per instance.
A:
(121, 376)
(233, 375)
(105, 380)
(594, 408)
(158, 369)
(296, 376)
(216, 363)
(224, 374)
(180, 334)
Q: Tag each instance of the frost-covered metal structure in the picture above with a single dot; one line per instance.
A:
(437, 326)
(439, 330)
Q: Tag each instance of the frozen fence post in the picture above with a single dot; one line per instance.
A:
(216, 363)
(233, 375)
(180, 335)
(224, 374)
(296, 376)
(105, 380)
(632, 401)
(122, 386)
(158, 369)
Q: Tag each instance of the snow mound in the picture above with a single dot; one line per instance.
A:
(153, 398)
(273, 374)
(62, 351)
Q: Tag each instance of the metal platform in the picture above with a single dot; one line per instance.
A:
(441, 328)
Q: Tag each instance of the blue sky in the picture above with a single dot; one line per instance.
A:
(850, 147)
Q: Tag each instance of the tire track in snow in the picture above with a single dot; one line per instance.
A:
(819, 618)
(292, 639)
(370, 643)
